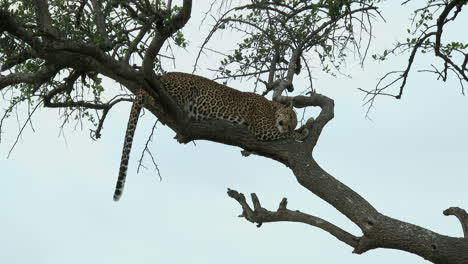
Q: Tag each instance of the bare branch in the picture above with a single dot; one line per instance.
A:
(96, 134)
(23, 127)
(260, 215)
(462, 217)
(147, 150)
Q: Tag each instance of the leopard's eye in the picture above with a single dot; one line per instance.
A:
(280, 122)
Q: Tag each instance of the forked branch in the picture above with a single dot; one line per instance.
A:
(261, 215)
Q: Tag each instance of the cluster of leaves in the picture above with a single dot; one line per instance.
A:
(425, 36)
(273, 30)
(424, 20)
(128, 27)
(124, 20)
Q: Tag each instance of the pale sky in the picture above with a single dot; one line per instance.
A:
(410, 163)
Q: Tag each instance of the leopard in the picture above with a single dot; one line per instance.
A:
(204, 99)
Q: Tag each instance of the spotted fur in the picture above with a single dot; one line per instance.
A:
(205, 99)
(128, 141)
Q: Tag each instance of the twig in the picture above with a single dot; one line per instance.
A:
(146, 149)
(22, 128)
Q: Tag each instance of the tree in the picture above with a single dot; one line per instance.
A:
(49, 59)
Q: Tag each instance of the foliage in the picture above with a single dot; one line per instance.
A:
(128, 26)
(425, 37)
(324, 31)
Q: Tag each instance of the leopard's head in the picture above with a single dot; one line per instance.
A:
(286, 119)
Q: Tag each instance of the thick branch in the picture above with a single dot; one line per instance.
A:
(326, 114)
(179, 20)
(261, 215)
(79, 13)
(43, 17)
(11, 25)
(14, 60)
(100, 21)
(293, 63)
(153, 50)
(38, 77)
(163, 33)
(90, 58)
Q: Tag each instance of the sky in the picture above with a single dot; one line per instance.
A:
(409, 161)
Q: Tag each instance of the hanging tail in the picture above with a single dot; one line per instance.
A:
(127, 146)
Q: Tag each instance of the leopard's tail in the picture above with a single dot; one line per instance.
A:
(127, 146)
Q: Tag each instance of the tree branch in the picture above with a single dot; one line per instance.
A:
(424, 42)
(67, 86)
(100, 21)
(22, 128)
(133, 45)
(39, 77)
(332, 21)
(14, 60)
(43, 17)
(151, 53)
(260, 215)
(462, 217)
(162, 34)
(179, 20)
(441, 21)
(79, 13)
(11, 25)
(410, 62)
(146, 149)
(96, 134)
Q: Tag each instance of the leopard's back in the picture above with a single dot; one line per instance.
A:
(206, 99)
